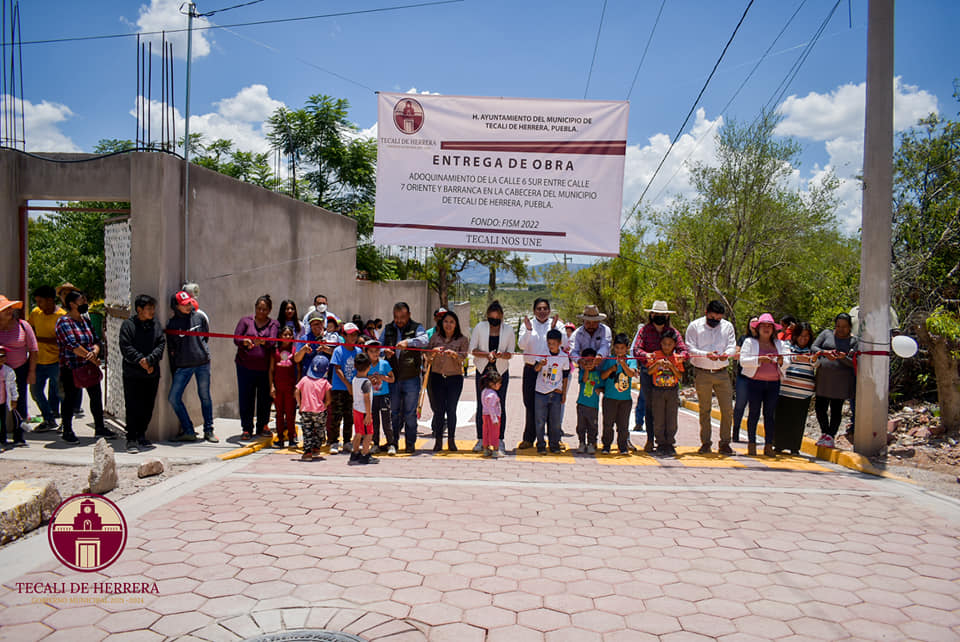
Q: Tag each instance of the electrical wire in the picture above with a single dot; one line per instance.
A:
(646, 48)
(243, 24)
(596, 45)
(723, 111)
(693, 107)
(207, 14)
(91, 158)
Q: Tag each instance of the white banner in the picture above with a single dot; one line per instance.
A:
(516, 174)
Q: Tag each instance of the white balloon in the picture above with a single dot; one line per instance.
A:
(904, 346)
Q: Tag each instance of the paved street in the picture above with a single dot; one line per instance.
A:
(561, 547)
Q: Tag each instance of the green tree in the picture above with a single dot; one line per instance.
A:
(926, 249)
(442, 270)
(494, 261)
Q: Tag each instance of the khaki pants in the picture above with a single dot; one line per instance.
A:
(708, 383)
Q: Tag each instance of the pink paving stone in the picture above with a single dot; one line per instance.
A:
(768, 608)
(762, 626)
(684, 636)
(518, 601)
(639, 590)
(926, 631)
(446, 582)
(467, 598)
(599, 621)
(709, 625)
(541, 586)
(689, 592)
(399, 579)
(878, 613)
(563, 573)
(176, 625)
(221, 588)
(590, 588)
(220, 607)
(73, 617)
(271, 589)
(543, 619)
(25, 613)
(367, 594)
(573, 635)
(568, 603)
(435, 614)
(670, 606)
(28, 631)
(514, 633)
(457, 632)
(77, 634)
(518, 571)
(865, 629)
(619, 604)
(494, 585)
(629, 636)
(417, 595)
(128, 621)
(352, 578)
(489, 617)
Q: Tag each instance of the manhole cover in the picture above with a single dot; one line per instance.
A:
(306, 635)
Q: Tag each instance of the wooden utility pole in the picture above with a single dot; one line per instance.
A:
(873, 374)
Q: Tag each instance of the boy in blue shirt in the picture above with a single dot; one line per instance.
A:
(588, 402)
(344, 371)
(616, 372)
(381, 376)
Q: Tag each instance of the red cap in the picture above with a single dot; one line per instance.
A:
(184, 298)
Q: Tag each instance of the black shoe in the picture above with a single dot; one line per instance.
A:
(144, 443)
(670, 450)
(132, 446)
(624, 451)
(79, 413)
(185, 437)
(277, 444)
(438, 446)
(451, 445)
(354, 459)
(210, 437)
(606, 450)
(70, 437)
(541, 450)
(555, 449)
(292, 443)
(523, 445)
(19, 444)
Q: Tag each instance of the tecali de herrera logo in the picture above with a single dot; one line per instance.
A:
(408, 116)
(87, 532)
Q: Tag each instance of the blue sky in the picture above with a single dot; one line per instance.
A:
(80, 92)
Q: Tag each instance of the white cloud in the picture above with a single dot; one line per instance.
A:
(239, 118)
(164, 15)
(425, 92)
(41, 123)
(840, 113)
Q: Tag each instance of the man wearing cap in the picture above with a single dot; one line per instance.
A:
(194, 291)
(189, 357)
(399, 335)
(711, 342)
(533, 342)
(645, 343)
(592, 334)
(307, 352)
(21, 343)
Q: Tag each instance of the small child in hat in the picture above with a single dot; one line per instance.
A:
(313, 397)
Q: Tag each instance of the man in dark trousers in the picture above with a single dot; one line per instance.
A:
(397, 337)
(141, 344)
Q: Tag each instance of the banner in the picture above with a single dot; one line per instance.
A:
(516, 174)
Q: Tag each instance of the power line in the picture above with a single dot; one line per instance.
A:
(676, 136)
(236, 6)
(646, 48)
(596, 45)
(244, 24)
(732, 98)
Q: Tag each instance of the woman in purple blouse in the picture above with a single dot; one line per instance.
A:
(253, 366)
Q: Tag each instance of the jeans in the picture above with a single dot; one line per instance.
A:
(641, 412)
(529, 403)
(502, 393)
(446, 394)
(381, 417)
(181, 377)
(763, 393)
(740, 405)
(547, 415)
(253, 387)
(46, 391)
(69, 400)
(646, 387)
(139, 397)
(404, 395)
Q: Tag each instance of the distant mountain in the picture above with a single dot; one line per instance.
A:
(478, 274)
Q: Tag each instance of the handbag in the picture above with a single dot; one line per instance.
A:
(87, 375)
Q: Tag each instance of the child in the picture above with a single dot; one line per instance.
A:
(381, 376)
(343, 372)
(283, 381)
(490, 402)
(588, 402)
(553, 375)
(331, 336)
(617, 371)
(313, 395)
(362, 413)
(8, 396)
(665, 371)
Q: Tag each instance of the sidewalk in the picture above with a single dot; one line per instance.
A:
(454, 547)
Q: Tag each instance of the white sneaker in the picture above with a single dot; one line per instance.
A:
(826, 441)
(26, 426)
(392, 450)
(478, 447)
(591, 449)
(582, 448)
(335, 448)
(503, 449)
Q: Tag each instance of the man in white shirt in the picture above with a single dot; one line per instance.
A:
(533, 341)
(711, 342)
(319, 304)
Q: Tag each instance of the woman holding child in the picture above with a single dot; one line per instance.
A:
(448, 348)
(492, 343)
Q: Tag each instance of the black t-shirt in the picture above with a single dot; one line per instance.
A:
(494, 343)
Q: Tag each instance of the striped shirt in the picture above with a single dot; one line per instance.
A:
(799, 380)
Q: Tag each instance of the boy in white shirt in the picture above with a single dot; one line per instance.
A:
(553, 374)
(362, 413)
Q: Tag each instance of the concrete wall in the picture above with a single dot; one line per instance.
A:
(244, 241)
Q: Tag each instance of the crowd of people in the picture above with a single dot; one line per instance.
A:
(357, 384)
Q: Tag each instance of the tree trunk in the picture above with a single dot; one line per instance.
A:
(443, 284)
(492, 283)
(947, 371)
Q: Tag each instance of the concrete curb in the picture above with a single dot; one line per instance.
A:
(260, 444)
(844, 458)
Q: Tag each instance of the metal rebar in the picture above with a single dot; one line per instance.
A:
(149, 90)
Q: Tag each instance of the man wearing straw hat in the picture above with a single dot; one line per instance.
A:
(592, 334)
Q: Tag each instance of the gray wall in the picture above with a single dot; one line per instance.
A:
(244, 241)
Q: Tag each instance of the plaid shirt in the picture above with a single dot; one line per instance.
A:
(647, 341)
(70, 335)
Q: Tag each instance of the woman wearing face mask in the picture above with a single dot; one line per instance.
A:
(836, 379)
(645, 343)
(492, 343)
(78, 346)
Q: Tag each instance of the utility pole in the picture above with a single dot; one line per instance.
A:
(873, 374)
(191, 13)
